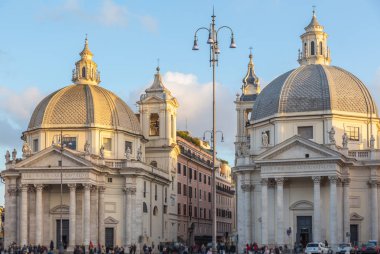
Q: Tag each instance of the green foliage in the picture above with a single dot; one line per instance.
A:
(185, 135)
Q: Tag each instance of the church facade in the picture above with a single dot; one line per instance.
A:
(307, 153)
(116, 168)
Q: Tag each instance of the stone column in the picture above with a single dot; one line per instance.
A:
(252, 214)
(86, 214)
(72, 221)
(24, 215)
(374, 210)
(39, 213)
(264, 211)
(11, 220)
(317, 209)
(280, 211)
(248, 222)
(101, 233)
(346, 209)
(333, 210)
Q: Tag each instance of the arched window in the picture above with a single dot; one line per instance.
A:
(154, 125)
(155, 210)
(154, 164)
(83, 72)
(305, 49)
(145, 208)
(320, 48)
(312, 48)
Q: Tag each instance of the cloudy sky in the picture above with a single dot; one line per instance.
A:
(40, 42)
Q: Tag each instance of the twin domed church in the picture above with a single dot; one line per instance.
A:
(306, 165)
(307, 153)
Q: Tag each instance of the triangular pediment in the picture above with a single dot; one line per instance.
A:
(50, 157)
(110, 220)
(356, 217)
(296, 148)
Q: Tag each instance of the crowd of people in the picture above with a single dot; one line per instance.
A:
(254, 248)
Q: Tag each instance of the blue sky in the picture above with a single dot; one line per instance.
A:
(40, 42)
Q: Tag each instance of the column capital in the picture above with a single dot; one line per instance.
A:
(87, 186)
(279, 180)
(130, 190)
(372, 183)
(23, 187)
(39, 187)
(101, 189)
(247, 187)
(72, 186)
(12, 191)
(93, 188)
(264, 181)
(316, 179)
(333, 179)
(346, 181)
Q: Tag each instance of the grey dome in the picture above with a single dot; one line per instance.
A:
(311, 88)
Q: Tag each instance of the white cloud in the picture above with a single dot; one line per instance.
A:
(195, 108)
(109, 14)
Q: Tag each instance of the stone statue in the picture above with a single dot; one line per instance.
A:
(26, 151)
(344, 140)
(372, 142)
(128, 153)
(87, 148)
(14, 154)
(139, 154)
(101, 152)
(264, 139)
(332, 135)
(7, 156)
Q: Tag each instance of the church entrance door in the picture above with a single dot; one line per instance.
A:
(304, 230)
(65, 232)
(354, 234)
(109, 237)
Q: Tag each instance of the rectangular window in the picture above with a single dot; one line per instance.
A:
(190, 173)
(200, 212)
(190, 192)
(200, 194)
(306, 132)
(70, 142)
(144, 189)
(353, 133)
(184, 190)
(209, 197)
(184, 209)
(195, 192)
(128, 144)
(209, 180)
(200, 177)
(179, 188)
(190, 211)
(179, 209)
(195, 212)
(107, 144)
(195, 174)
(109, 179)
(165, 209)
(204, 179)
(35, 145)
(184, 170)
(179, 168)
(209, 214)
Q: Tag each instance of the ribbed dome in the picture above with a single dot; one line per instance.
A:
(83, 105)
(311, 88)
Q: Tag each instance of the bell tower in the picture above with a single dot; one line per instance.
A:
(314, 44)
(158, 114)
(244, 105)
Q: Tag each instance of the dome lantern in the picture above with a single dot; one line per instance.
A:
(314, 44)
(251, 83)
(86, 70)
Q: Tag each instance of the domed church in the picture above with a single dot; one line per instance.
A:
(307, 153)
(116, 168)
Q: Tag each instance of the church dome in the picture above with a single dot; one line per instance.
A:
(85, 103)
(311, 88)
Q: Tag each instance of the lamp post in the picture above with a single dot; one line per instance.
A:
(214, 53)
(62, 147)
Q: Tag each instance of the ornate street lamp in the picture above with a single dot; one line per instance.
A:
(214, 53)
